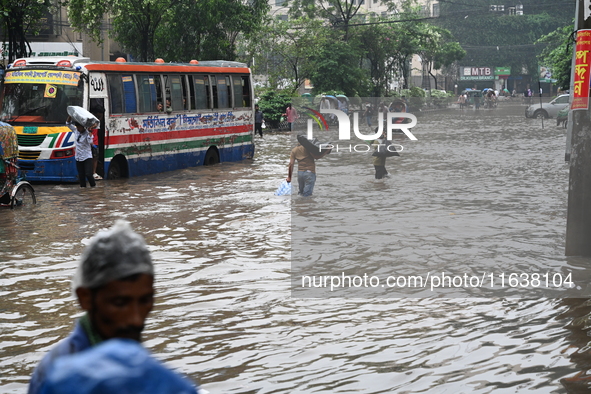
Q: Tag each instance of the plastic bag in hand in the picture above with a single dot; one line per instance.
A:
(284, 189)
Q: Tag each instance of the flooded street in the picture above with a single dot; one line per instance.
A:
(477, 191)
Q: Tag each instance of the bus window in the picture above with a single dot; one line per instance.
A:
(176, 92)
(115, 93)
(191, 97)
(158, 87)
(239, 99)
(186, 101)
(246, 91)
(201, 91)
(208, 91)
(214, 92)
(147, 93)
(229, 90)
(222, 92)
(129, 93)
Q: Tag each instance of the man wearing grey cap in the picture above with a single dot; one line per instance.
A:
(114, 285)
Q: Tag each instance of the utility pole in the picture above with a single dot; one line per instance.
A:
(578, 220)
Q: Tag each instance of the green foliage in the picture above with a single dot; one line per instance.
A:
(415, 91)
(273, 104)
(19, 19)
(176, 30)
(283, 50)
(498, 39)
(337, 68)
(415, 96)
(558, 54)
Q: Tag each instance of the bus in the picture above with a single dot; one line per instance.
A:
(154, 117)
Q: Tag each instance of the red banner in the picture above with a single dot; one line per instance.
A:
(582, 70)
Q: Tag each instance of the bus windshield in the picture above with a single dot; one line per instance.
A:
(40, 96)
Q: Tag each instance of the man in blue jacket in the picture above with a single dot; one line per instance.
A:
(114, 284)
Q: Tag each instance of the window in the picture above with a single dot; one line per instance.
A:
(147, 93)
(158, 88)
(186, 101)
(176, 92)
(223, 97)
(436, 9)
(130, 103)
(115, 93)
(214, 92)
(241, 91)
(237, 86)
(246, 95)
(562, 100)
(202, 95)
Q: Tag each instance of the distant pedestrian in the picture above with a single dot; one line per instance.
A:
(379, 162)
(258, 120)
(291, 115)
(462, 101)
(368, 114)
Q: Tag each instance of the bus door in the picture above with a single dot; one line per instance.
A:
(98, 105)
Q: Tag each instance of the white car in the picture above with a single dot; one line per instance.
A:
(547, 110)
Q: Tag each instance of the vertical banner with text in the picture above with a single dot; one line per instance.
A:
(582, 72)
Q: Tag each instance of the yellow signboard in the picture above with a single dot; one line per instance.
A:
(50, 91)
(43, 76)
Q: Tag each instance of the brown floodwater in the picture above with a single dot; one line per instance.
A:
(487, 187)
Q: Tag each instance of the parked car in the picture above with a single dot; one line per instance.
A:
(547, 110)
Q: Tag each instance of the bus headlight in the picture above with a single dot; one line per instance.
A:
(62, 153)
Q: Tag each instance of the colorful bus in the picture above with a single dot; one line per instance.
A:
(154, 117)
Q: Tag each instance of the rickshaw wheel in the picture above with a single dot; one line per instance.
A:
(24, 196)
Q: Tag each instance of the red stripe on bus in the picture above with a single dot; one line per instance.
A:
(59, 139)
(174, 134)
(166, 68)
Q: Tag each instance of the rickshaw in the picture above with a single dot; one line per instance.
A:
(14, 192)
(329, 102)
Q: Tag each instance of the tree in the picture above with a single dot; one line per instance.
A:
(558, 54)
(178, 30)
(338, 13)
(337, 67)
(20, 18)
(437, 49)
(135, 22)
(497, 38)
(209, 29)
(283, 50)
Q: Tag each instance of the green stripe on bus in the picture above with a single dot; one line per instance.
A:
(177, 147)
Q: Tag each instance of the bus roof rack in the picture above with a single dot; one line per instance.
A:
(53, 60)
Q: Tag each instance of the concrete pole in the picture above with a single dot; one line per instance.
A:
(578, 220)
